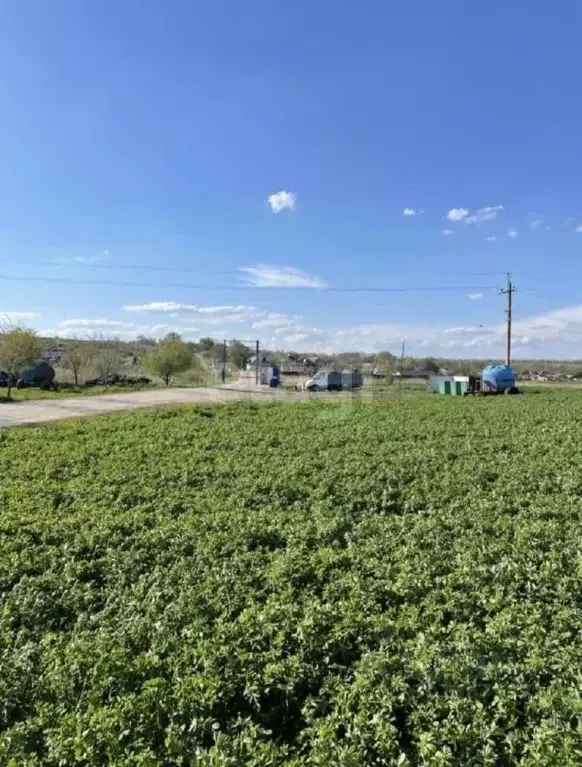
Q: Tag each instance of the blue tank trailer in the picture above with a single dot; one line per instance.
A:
(495, 379)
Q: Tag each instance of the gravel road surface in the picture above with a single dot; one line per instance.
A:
(39, 411)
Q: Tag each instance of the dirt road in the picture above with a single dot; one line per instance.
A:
(39, 411)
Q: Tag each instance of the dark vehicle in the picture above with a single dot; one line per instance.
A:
(5, 379)
(41, 375)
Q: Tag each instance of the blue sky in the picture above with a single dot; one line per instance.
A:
(273, 149)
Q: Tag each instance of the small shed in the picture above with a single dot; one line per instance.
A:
(455, 385)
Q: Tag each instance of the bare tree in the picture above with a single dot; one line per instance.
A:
(77, 357)
(107, 362)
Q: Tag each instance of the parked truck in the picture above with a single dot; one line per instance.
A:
(331, 381)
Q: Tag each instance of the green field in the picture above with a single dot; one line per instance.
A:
(395, 582)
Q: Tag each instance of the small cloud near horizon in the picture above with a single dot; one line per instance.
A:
(475, 296)
(411, 212)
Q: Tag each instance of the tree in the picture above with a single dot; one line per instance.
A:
(77, 358)
(145, 341)
(430, 365)
(19, 346)
(206, 344)
(170, 356)
(238, 354)
(107, 363)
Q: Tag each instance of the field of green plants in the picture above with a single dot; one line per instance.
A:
(395, 582)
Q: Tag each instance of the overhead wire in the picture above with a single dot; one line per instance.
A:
(151, 268)
(245, 287)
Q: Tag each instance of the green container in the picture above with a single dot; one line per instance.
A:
(455, 388)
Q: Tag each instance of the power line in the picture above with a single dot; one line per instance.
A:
(102, 265)
(186, 269)
(159, 285)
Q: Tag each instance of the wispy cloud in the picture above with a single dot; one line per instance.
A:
(535, 221)
(97, 323)
(86, 327)
(489, 213)
(266, 276)
(176, 308)
(491, 239)
(479, 217)
(411, 212)
(512, 232)
(10, 317)
(457, 214)
(282, 200)
(579, 228)
(447, 232)
(475, 296)
(103, 257)
(277, 320)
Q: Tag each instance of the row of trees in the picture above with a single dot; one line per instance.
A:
(20, 346)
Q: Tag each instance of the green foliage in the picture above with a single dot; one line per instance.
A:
(171, 356)
(243, 585)
(238, 354)
(19, 347)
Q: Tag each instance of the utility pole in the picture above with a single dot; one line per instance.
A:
(509, 291)
(223, 372)
(401, 363)
(257, 365)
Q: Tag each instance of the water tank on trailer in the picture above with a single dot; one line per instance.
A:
(498, 377)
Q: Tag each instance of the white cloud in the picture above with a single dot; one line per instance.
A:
(265, 276)
(475, 296)
(295, 338)
(282, 200)
(97, 323)
(276, 320)
(480, 216)
(447, 232)
(512, 232)
(553, 334)
(9, 316)
(579, 228)
(205, 313)
(411, 212)
(491, 239)
(84, 327)
(489, 213)
(457, 214)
